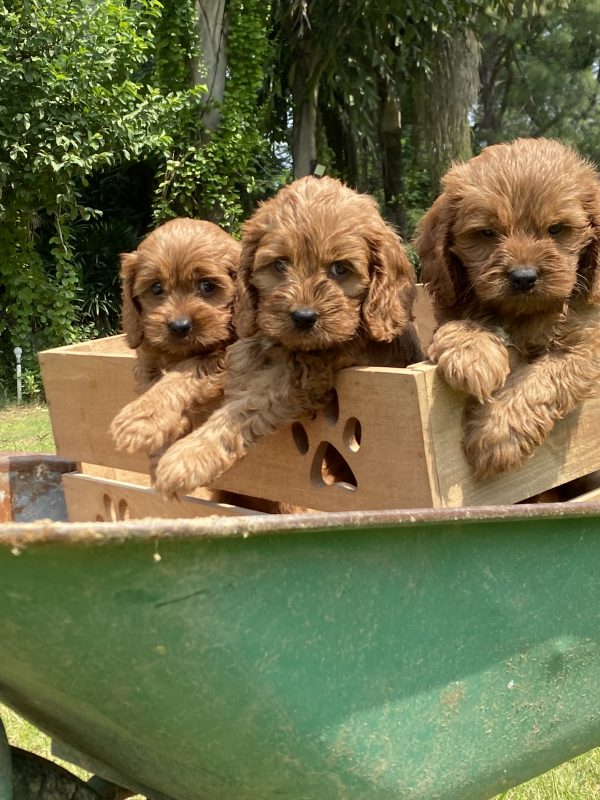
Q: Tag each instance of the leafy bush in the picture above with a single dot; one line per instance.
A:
(218, 174)
(71, 107)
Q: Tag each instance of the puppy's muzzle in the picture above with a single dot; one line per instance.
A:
(523, 279)
(180, 327)
(304, 318)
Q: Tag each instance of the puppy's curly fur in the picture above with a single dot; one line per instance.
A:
(510, 252)
(324, 284)
(178, 293)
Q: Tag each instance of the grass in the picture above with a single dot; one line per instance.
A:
(27, 429)
(23, 734)
(578, 779)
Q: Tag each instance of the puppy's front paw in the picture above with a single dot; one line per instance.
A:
(189, 465)
(180, 470)
(476, 362)
(493, 442)
(139, 427)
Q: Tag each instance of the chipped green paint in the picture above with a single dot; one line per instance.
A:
(420, 656)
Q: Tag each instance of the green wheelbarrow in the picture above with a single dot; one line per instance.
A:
(413, 655)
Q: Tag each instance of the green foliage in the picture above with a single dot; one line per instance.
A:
(540, 78)
(102, 122)
(210, 173)
(96, 245)
(73, 100)
(177, 46)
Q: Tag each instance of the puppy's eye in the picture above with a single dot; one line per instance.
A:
(206, 288)
(338, 269)
(157, 288)
(555, 229)
(280, 266)
(489, 233)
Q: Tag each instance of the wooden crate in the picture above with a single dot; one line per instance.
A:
(396, 431)
(90, 497)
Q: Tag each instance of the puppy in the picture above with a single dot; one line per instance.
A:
(510, 252)
(178, 293)
(324, 284)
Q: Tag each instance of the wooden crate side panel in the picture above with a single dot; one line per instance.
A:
(569, 452)
(109, 344)
(143, 479)
(84, 391)
(372, 440)
(113, 474)
(92, 499)
(390, 465)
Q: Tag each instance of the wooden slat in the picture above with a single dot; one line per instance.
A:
(85, 388)
(137, 478)
(569, 452)
(588, 497)
(391, 466)
(91, 499)
(114, 474)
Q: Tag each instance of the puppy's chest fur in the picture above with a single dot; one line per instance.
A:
(259, 363)
(530, 337)
(151, 365)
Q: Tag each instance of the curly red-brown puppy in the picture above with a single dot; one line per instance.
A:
(324, 284)
(510, 252)
(178, 293)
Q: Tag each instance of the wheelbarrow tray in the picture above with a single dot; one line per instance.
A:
(431, 654)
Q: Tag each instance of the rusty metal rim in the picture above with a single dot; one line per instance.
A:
(21, 534)
(25, 534)
(29, 462)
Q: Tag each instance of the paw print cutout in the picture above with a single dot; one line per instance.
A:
(328, 464)
(330, 468)
(112, 512)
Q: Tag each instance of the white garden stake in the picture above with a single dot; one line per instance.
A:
(18, 353)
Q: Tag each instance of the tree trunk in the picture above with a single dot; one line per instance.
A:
(212, 24)
(391, 158)
(495, 82)
(305, 94)
(341, 141)
(451, 92)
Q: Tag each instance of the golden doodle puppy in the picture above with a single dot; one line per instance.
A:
(510, 252)
(178, 293)
(324, 284)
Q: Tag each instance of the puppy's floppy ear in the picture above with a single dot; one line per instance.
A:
(589, 260)
(244, 307)
(387, 308)
(131, 311)
(234, 266)
(589, 269)
(432, 243)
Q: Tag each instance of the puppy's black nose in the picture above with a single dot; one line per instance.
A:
(523, 278)
(180, 326)
(304, 318)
